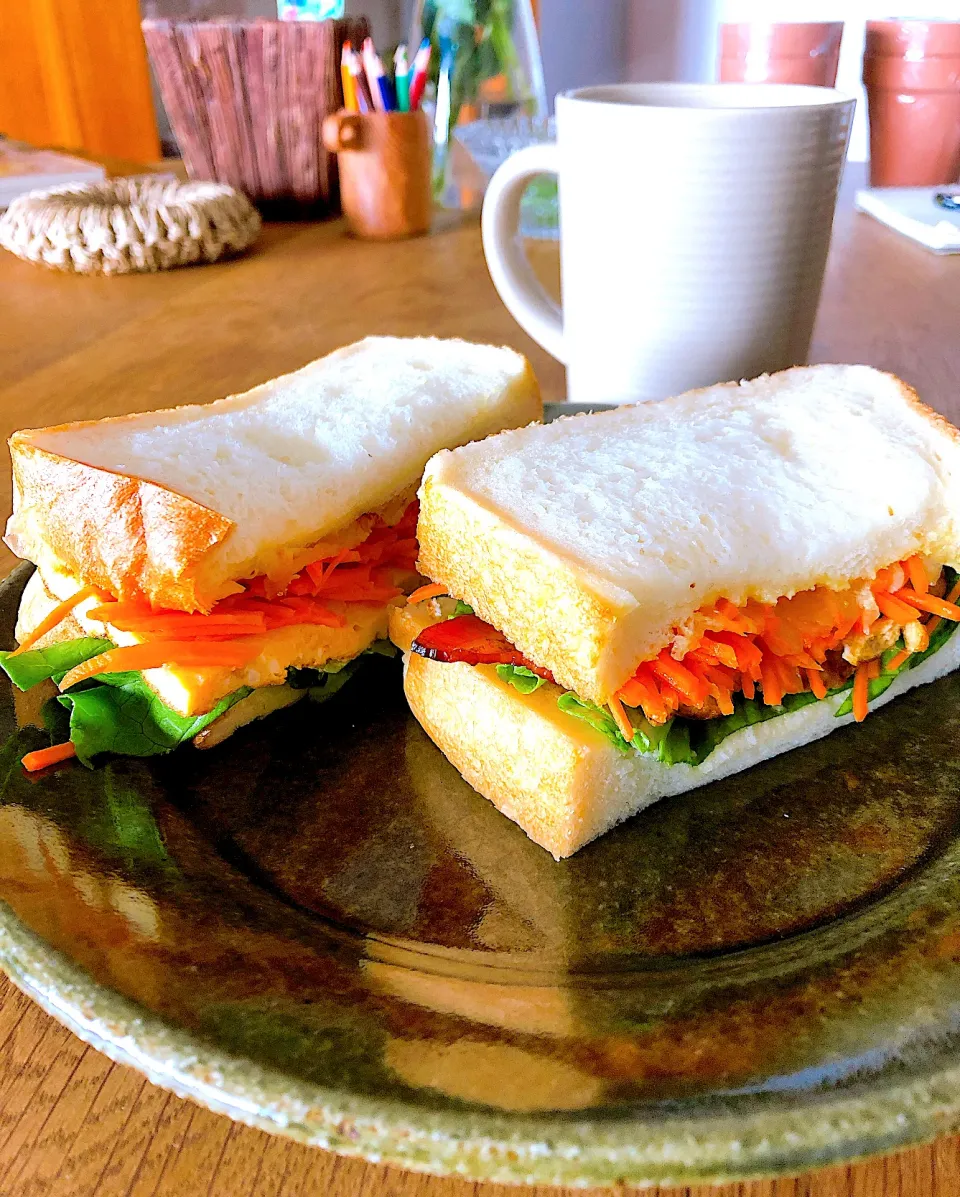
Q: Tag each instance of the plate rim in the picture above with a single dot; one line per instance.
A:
(477, 1145)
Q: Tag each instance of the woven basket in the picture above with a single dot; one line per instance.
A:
(247, 100)
(124, 226)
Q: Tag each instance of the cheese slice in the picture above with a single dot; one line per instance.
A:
(195, 691)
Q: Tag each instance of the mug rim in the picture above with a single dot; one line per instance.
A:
(783, 97)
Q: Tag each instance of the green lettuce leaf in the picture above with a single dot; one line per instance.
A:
(118, 712)
(598, 718)
(521, 678)
(461, 608)
(38, 664)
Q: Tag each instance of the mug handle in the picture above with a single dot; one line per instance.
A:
(519, 288)
(342, 131)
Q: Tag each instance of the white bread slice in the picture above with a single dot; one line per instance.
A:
(589, 539)
(198, 690)
(562, 781)
(177, 505)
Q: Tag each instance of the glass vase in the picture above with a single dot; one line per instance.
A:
(485, 65)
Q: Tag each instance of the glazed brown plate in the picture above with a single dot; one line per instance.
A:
(320, 929)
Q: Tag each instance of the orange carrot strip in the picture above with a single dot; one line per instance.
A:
(802, 660)
(770, 681)
(932, 624)
(648, 692)
(431, 590)
(632, 693)
(917, 575)
(686, 683)
(624, 725)
(747, 653)
(173, 625)
(746, 684)
(56, 617)
(861, 683)
(873, 669)
(722, 652)
(901, 609)
(43, 758)
(816, 683)
(232, 654)
(895, 662)
(945, 608)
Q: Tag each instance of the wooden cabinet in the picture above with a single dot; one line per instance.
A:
(73, 74)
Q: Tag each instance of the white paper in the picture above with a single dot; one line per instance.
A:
(914, 212)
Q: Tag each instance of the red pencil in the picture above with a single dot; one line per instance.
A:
(421, 68)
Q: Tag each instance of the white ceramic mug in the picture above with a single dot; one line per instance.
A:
(695, 221)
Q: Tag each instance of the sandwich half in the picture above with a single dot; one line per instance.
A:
(631, 603)
(202, 566)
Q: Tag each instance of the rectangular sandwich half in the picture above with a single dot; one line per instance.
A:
(631, 603)
(202, 566)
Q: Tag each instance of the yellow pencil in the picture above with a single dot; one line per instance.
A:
(349, 87)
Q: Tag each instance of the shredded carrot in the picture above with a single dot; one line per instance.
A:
(873, 669)
(945, 608)
(686, 683)
(56, 617)
(932, 624)
(816, 683)
(722, 651)
(895, 662)
(917, 575)
(861, 691)
(624, 726)
(781, 647)
(232, 655)
(642, 691)
(431, 590)
(898, 608)
(891, 579)
(43, 758)
(770, 682)
(171, 624)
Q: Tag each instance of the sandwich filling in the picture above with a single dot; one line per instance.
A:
(138, 679)
(729, 666)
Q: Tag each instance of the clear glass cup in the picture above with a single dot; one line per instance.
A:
(485, 64)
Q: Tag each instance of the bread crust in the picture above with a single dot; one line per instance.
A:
(137, 538)
(124, 534)
(588, 631)
(563, 782)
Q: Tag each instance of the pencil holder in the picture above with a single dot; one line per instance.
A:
(385, 166)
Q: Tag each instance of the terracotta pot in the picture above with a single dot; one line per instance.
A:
(911, 70)
(791, 52)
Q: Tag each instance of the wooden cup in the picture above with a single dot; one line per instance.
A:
(385, 171)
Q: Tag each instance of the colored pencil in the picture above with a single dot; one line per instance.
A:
(421, 67)
(349, 91)
(402, 78)
(364, 99)
(370, 70)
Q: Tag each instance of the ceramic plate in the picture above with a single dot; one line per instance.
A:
(319, 929)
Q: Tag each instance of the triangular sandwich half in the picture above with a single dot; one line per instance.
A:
(213, 563)
(668, 593)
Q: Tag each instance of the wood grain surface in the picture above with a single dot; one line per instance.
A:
(71, 1123)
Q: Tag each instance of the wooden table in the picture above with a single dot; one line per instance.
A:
(73, 1124)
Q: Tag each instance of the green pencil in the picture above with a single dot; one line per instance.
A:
(402, 78)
